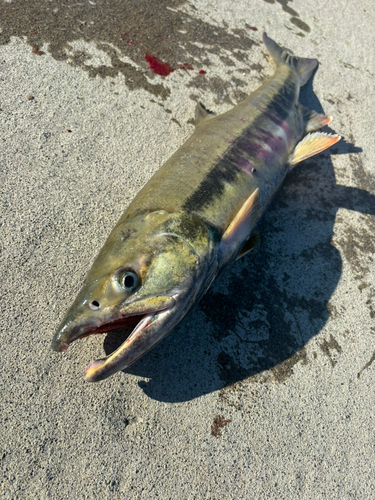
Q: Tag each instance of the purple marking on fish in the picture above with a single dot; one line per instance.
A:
(250, 147)
(275, 118)
(283, 124)
(260, 145)
(275, 142)
(288, 130)
(244, 164)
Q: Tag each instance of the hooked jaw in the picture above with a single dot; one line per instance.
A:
(148, 332)
(149, 328)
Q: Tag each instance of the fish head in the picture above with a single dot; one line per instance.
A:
(146, 277)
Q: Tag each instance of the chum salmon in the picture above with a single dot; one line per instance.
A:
(195, 216)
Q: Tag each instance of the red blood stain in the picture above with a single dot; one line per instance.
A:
(35, 32)
(252, 28)
(159, 67)
(217, 424)
(36, 50)
(202, 72)
(186, 66)
(124, 36)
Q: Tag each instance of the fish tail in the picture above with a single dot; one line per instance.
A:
(303, 66)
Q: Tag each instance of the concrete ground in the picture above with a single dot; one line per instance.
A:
(266, 389)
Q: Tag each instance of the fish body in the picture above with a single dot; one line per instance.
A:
(195, 215)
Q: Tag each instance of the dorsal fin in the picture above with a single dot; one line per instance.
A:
(241, 226)
(201, 113)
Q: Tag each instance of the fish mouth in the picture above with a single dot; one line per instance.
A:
(147, 330)
(125, 355)
(126, 322)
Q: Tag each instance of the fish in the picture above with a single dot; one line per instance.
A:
(195, 216)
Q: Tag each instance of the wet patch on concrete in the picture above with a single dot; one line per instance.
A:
(359, 247)
(239, 397)
(229, 371)
(328, 347)
(347, 65)
(295, 19)
(357, 243)
(300, 24)
(284, 370)
(137, 29)
(217, 425)
(367, 365)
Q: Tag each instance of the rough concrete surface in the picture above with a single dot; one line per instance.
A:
(266, 388)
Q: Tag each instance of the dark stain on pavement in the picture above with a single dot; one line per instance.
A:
(359, 241)
(367, 365)
(217, 425)
(328, 346)
(295, 19)
(153, 35)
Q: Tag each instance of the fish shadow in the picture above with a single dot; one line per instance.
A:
(258, 316)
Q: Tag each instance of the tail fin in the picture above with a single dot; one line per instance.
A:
(302, 65)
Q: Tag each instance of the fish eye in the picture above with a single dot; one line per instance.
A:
(129, 281)
(94, 305)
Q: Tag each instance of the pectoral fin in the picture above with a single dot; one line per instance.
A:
(311, 145)
(249, 245)
(241, 226)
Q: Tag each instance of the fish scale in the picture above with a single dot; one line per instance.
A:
(195, 216)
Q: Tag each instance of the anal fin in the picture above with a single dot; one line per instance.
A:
(311, 145)
(313, 120)
(249, 245)
(241, 226)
